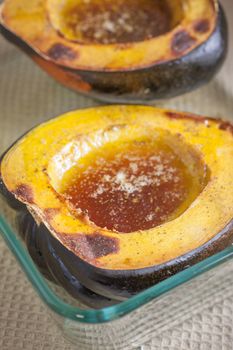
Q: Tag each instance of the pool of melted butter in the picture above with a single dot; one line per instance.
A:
(134, 186)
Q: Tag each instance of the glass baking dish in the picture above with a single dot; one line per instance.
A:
(131, 324)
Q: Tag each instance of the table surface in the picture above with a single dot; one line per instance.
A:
(27, 97)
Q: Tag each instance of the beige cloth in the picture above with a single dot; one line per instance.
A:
(27, 97)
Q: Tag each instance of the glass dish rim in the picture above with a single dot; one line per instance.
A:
(109, 313)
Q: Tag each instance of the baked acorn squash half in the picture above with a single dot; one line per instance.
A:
(121, 50)
(124, 196)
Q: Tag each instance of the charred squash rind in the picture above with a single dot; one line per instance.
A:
(99, 287)
(50, 264)
(123, 283)
(163, 79)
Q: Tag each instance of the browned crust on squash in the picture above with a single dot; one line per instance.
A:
(90, 247)
(194, 117)
(49, 213)
(227, 126)
(222, 124)
(25, 193)
(181, 42)
(201, 26)
(60, 51)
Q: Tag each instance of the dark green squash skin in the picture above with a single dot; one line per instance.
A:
(28, 232)
(161, 80)
(51, 266)
(122, 284)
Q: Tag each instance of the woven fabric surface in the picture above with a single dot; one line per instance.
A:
(28, 97)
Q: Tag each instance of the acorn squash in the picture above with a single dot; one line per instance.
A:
(118, 50)
(124, 196)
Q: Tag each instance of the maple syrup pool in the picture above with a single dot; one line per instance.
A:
(134, 186)
(119, 21)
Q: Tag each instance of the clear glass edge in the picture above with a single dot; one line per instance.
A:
(112, 312)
